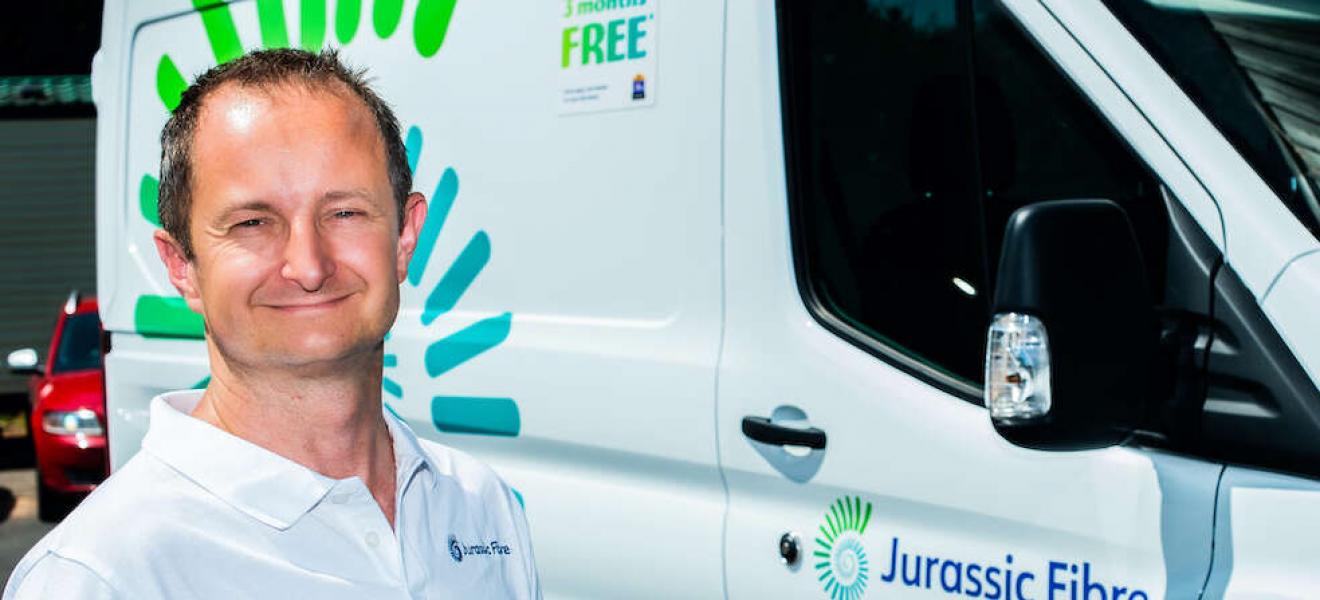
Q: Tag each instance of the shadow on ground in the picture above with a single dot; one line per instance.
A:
(15, 439)
(7, 502)
(22, 529)
(15, 446)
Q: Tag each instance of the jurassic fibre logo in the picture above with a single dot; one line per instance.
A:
(842, 566)
(458, 551)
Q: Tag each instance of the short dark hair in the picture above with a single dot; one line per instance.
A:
(265, 69)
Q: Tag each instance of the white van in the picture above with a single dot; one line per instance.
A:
(722, 287)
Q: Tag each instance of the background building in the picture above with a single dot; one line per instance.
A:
(47, 169)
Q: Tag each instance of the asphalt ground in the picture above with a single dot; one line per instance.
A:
(22, 529)
(19, 527)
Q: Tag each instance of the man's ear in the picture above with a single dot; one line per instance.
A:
(414, 216)
(180, 269)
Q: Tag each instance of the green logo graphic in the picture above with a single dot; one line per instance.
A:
(842, 566)
(170, 317)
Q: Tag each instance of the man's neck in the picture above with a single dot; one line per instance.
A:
(331, 423)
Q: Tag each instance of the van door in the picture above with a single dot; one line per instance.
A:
(856, 453)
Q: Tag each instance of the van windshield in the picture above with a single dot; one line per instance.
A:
(1254, 70)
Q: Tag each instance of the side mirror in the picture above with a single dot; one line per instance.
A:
(24, 361)
(1074, 331)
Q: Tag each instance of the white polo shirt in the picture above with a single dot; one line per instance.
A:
(199, 513)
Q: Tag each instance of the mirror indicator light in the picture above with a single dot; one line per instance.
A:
(1017, 368)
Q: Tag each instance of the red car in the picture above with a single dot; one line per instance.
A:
(68, 409)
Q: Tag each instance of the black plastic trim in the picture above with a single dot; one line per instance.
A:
(1262, 408)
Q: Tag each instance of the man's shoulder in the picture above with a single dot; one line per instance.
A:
(54, 576)
(133, 493)
(128, 510)
(468, 472)
(497, 506)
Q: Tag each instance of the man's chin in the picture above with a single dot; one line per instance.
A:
(294, 345)
(317, 355)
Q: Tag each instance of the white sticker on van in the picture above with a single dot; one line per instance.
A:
(607, 54)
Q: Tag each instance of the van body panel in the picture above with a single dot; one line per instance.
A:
(1260, 234)
(1267, 538)
(136, 370)
(108, 83)
(1290, 306)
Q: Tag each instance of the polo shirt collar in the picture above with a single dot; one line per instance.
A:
(262, 484)
(409, 457)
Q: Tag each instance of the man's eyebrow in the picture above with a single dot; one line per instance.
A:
(333, 195)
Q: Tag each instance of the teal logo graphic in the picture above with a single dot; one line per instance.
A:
(842, 565)
(454, 414)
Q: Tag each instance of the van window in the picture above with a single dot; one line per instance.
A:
(913, 130)
(878, 110)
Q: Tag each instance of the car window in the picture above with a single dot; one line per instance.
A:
(914, 130)
(80, 344)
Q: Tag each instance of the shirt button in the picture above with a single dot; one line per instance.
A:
(373, 540)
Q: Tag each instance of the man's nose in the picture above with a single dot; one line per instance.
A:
(307, 260)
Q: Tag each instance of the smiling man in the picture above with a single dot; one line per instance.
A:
(288, 225)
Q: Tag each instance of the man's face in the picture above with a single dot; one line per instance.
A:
(298, 255)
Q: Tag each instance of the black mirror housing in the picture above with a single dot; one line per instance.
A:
(1076, 266)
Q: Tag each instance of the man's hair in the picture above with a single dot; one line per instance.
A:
(266, 69)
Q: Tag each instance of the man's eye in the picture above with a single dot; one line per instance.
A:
(248, 223)
(347, 214)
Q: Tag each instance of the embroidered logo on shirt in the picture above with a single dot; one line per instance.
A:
(458, 550)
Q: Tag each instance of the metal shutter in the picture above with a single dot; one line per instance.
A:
(47, 178)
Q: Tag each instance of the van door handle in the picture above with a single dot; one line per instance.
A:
(766, 432)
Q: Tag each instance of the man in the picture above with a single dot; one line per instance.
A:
(288, 225)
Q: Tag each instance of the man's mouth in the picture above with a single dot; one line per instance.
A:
(309, 304)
